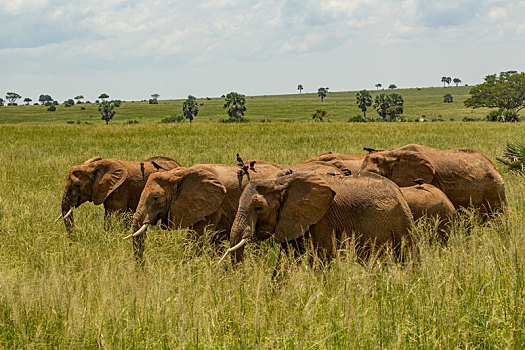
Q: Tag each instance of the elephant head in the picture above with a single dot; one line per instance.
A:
(400, 166)
(285, 206)
(93, 181)
(183, 196)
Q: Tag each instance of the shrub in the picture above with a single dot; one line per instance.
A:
(152, 101)
(358, 119)
(52, 108)
(132, 122)
(70, 122)
(173, 119)
(12, 104)
(82, 108)
(447, 98)
(234, 120)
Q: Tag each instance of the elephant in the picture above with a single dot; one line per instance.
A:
(466, 176)
(349, 164)
(426, 200)
(323, 210)
(196, 197)
(115, 183)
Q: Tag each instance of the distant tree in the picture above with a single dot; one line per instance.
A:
(69, 103)
(12, 97)
(505, 92)
(45, 99)
(396, 106)
(235, 103)
(103, 96)
(319, 115)
(448, 81)
(51, 107)
(378, 86)
(300, 88)
(154, 99)
(79, 98)
(106, 109)
(392, 86)
(1, 102)
(456, 81)
(27, 100)
(190, 108)
(381, 105)
(448, 98)
(155, 96)
(322, 92)
(444, 80)
(390, 106)
(363, 100)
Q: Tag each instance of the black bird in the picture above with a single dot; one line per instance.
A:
(252, 165)
(142, 169)
(368, 149)
(419, 181)
(158, 167)
(239, 159)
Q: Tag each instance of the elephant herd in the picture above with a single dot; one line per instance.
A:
(323, 201)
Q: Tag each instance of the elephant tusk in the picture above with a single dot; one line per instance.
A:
(139, 231)
(240, 244)
(68, 213)
(59, 217)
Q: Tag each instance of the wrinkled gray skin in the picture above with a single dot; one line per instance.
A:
(466, 176)
(429, 201)
(325, 209)
(204, 195)
(115, 183)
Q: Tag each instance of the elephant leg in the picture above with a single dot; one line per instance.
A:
(297, 246)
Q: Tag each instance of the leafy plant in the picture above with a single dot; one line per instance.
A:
(514, 156)
(448, 98)
(173, 119)
(319, 115)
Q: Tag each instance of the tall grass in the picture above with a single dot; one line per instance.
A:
(84, 290)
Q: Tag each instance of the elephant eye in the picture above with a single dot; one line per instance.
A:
(258, 208)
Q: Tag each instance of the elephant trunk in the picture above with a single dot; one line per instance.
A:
(67, 211)
(139, 233)
(242, 230)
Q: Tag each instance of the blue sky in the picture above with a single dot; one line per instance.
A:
(131, 49)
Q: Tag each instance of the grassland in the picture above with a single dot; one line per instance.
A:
(339, 105)
(84, 291)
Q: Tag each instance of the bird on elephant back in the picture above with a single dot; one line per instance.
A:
(202, 196)
(115, 183)
(466, 176)
(307, 209)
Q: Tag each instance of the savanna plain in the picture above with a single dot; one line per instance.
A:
(84, 289)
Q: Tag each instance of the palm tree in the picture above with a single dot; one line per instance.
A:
(363, 100)
(235, 104)
(378, 86)
(456, 81)
(300, 88)
(444, 80)
(449, 80)
(322, 92)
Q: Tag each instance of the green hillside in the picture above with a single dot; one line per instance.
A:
(339, 106)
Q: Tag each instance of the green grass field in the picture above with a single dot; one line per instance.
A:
(84, 290)
(339, 105)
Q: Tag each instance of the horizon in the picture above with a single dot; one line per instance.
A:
(132, 49)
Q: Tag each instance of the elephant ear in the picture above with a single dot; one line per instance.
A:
(109, 174)
(200, 194)
(305, 199)
(410, 166)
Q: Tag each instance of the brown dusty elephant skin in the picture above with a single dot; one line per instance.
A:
(466, 176)
(115, 183)
(196, 197)
(349, 164)
(429, 201)
(327, 209)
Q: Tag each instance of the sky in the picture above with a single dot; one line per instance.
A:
(132, 49)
